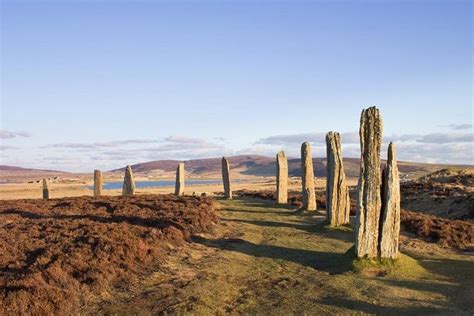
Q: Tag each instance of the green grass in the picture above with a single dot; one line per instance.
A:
(403, 267)
(266, 258)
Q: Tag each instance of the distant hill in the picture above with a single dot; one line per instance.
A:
(245, 164)
(255, 165)
(4, 168)
(13, 173)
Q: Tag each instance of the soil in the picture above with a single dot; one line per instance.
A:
(58, 254)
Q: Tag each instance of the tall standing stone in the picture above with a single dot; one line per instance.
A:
(226, 178)
(369, 200)
(97, 183)
(128, 182)
(337, 196)
(390, 215)
(282, 178)
(45, 189)
(309, 196)
(179, 185)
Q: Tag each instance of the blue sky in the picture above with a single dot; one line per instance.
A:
(100, 84)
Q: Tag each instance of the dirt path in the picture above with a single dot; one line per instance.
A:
(270, 260)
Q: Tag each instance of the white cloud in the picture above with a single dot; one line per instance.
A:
(115, 143)
(125, 142)
(69, 145)
(5, 147)
(315, 138)
(444, 138)
(448, 147)
(115, 154)
(401, 138)
(460, 126)
(184, 139)
(5, 134)
(451, 153)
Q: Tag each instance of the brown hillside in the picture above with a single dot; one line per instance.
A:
(256, 165)
(13, 174)
(447, 193)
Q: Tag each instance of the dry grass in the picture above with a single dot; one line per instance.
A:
(449, 233)
(57, 254)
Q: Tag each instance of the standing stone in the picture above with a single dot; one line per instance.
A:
(45, 189)
(179, 185)
(282, 178)
(97, 183)
(369, 200)
(390, 215)
(338, 203)
(309, 196)
(226, 178)
(128, 182)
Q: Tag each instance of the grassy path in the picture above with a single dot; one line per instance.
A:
(271, 260)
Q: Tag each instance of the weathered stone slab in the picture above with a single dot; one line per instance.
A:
(337, 196)
(179, 185)
(390, 215)
(45, 189)
(369, 199)
(307, 178)
(97, 183)
(226, 178)
(282, 178)
(128, 182)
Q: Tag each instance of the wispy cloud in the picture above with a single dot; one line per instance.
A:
(221, 139)
(447, 147)
(353, 138)
(461, 153)
(444, 138)
(460, 126)
(115, 143)
(401, 138)
(316, 138)
(5, 147)
(182, 147)
(184, 139)
(126, 142)
(114, 154)
(69, 145)
(444, 147)
(6, 134)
